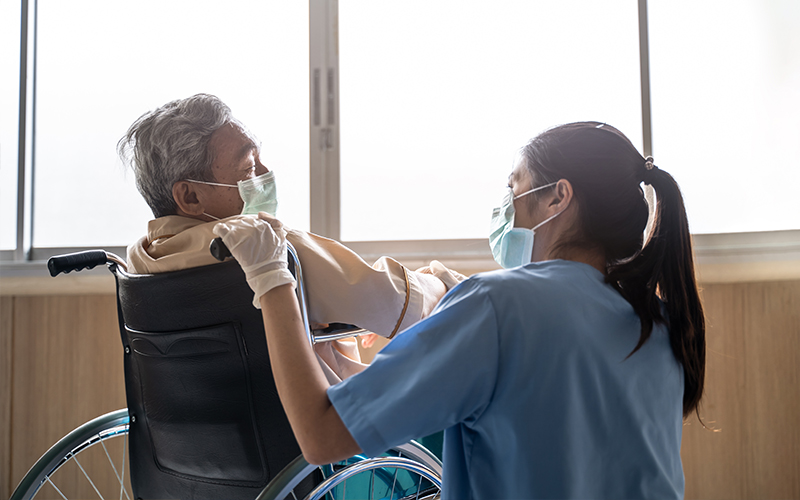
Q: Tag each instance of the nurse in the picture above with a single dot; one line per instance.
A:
(565, 375)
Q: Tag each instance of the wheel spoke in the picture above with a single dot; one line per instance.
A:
(394, 482)
(372, 485)
(87, 476)
(56, 488)
(111, 462)
(124, 455)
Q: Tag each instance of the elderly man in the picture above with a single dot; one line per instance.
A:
(195, 164)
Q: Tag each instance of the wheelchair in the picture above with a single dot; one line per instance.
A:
(204, 420)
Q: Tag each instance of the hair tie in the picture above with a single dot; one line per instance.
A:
(648, 168)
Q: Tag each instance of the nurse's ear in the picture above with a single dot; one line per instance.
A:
(561, 197)
(186, 197)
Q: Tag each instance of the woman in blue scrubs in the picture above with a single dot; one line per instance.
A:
(565, 375)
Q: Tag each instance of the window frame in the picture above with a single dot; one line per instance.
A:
(779, 250)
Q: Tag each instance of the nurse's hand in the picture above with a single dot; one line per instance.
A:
(259, 245)
(449, 277)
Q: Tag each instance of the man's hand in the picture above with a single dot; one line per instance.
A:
(368, 339)
(259, 245)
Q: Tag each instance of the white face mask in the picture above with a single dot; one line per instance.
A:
(259, 194)
(512, 246)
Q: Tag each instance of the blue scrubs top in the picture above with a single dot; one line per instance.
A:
(527, 370)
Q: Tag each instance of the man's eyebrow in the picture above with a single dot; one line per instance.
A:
(245, 151)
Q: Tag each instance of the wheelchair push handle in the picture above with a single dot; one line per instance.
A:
(76, 261)
(219, 250)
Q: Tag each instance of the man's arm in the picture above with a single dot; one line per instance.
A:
(301, 384)
(383, 297)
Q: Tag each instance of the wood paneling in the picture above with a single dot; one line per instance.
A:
(752, 396)
(67, 370)
(6, 359)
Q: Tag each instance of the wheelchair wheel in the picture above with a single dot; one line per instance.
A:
(407, 471)
(89, 462)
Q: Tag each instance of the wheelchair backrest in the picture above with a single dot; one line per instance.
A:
(206, 421)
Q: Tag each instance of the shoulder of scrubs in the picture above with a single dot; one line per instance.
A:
(384, 298)
(530, 372)
(440, 372)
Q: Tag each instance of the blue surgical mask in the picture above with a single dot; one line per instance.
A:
(259, 193)
(512, 246)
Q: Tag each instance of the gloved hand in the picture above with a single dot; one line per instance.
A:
(449, 277)
(259, 245)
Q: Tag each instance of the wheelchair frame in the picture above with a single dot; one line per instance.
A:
(411, 457)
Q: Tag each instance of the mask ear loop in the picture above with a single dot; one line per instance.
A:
(537, 226)
(534, 189)
(213, 183)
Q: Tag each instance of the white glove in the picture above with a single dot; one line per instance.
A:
(449, 277)
(258, 243)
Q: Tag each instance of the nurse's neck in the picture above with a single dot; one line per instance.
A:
(594, 258)
(559, 242)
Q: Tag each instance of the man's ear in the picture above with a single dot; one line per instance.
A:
(185, 196)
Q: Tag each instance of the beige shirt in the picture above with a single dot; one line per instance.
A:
(341, 287)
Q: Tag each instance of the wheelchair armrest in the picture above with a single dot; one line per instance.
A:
(337, 331)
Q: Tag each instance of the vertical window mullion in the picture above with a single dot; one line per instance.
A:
(647, 129)
(644, 62)
(27, 88)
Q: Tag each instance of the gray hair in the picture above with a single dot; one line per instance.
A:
(170, 144)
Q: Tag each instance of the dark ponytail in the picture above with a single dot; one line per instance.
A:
(665, 268)
(606, 171)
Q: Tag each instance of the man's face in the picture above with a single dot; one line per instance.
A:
(236, 158)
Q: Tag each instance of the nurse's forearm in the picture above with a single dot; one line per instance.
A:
(301, 384)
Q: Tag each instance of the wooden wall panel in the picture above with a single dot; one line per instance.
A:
(752, 396)
(6, 359)
(67, 370)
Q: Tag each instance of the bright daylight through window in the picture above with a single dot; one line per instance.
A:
(253, 55)
(435, 98)
(726, 97)
(435, 106)
(9, 121)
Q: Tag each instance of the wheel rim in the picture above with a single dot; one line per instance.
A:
(283, 485)
(89, 462)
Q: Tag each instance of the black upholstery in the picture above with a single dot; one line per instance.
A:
(206, 421)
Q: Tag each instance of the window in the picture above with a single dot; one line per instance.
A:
(392, 126)
(436, 98)
(102, 64)
(9, 121)
(726, 93)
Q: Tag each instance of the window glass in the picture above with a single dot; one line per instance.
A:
(9, 121)
(726, 95)
(101, 64)
(437, 97)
